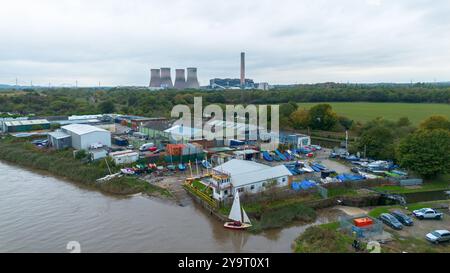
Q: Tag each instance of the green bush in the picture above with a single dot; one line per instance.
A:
(322, 239)
(280, 217)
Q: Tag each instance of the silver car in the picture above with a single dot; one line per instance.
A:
(438, 236)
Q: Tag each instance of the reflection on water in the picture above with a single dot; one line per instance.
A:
(39, 213)
(416, 197)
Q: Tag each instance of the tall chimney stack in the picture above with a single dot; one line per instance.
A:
(242, 69)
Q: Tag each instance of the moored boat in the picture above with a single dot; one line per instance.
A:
(240, 220)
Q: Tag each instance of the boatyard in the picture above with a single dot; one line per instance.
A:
(236, 183)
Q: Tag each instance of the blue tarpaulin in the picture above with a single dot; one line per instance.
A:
(349, 177)
(303, 185)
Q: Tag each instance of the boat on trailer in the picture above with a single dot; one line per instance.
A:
(240, 220)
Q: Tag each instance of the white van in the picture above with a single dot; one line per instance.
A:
(146, 147)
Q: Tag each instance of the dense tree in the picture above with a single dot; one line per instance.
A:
(300, 118)
(107, 107)
(345, 122)
(426, 152)
(403, 121)
(141, 101)
(435, 122)
(377, 142)
(322, 117)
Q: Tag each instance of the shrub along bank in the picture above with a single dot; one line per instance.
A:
(324, 239)
(63, 164)
(280, 217)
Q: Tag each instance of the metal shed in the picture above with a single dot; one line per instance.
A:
(59, 140)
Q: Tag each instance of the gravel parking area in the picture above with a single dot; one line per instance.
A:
(412, 239)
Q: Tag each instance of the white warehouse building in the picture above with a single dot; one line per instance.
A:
(246, 177)
(83, 136)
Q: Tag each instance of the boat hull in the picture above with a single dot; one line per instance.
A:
(231, 225)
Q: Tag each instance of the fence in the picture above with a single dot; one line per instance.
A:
(362, 183)
(347, 225)
(411, 182)
(209, 200)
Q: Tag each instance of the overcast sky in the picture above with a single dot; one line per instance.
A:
(286, 41)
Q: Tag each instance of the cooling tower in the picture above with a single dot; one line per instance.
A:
(155, 78)
(192, 81)
(180, 80)
(166, 80)
(242, 69)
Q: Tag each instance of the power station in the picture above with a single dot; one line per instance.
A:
(161, 79)
(187, 79)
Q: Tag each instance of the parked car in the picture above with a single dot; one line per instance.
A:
(131, 147)
(391, 221)
(317, 147)
(403, 218)
(438, 236)
(427, 213)
(147, 147)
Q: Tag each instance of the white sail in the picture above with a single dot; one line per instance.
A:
(246, 219)
(235, 213)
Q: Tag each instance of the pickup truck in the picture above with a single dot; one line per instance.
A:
(427, 213)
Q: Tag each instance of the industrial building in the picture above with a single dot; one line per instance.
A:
(84, 136)
(135, 122)
(14, 126)
(296, 140)
(228, 83)
(59, 140)
(246, 177)
(241, 83)
(161, 79)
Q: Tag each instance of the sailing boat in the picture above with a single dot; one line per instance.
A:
(238, 215)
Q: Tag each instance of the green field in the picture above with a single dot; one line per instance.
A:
(365, 111)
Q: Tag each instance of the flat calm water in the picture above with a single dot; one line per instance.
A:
(41, 213)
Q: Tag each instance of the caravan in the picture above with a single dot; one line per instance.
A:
(148, 147)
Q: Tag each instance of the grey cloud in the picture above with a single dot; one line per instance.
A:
(116, 42)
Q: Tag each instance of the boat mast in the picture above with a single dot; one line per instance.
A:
(190, 168)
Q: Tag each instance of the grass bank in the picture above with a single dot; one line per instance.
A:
(63, 164)
(277, 213)
(280, 217)
(440, 183)
(324, 239)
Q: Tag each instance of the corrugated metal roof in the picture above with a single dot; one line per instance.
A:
(58, 135)
(120, 153)
(183, 131)
(26, 122)
(263, 175)
(236, 166)
(246, 152)
(244, 172)
(82, 129)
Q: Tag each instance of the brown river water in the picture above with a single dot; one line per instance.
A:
(41, 213)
